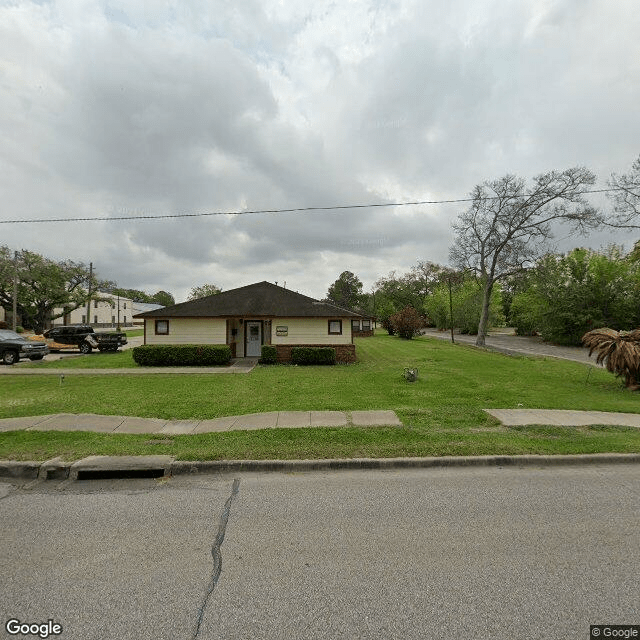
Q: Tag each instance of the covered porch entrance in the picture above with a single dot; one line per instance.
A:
(246, 336)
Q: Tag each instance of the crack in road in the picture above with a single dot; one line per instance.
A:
(217, 556)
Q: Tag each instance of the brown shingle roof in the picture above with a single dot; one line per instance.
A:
(255, 300)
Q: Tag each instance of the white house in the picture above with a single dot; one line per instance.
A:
(250, 316)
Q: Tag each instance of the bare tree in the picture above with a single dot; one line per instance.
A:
(507, 226)
(626, 198)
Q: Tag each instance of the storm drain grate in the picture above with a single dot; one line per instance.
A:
(115, 474)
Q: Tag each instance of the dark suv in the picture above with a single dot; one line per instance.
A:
(13, 347)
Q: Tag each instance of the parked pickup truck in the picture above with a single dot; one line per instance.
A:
(85, 338)
(13, 347)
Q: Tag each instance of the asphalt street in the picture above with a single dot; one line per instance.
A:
(439, 553)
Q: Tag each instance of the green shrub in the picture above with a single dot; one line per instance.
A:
(313, 355)
(182, 355)
(388, 325)
(269, 354)
(19, 329)
(407, 323)
(526, 313)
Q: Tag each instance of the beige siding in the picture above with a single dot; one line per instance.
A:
(309, 331)
(189, 331)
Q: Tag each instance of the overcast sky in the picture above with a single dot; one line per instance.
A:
(149, 107)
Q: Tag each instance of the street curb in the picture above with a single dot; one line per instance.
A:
(57, 470)
(239, 466)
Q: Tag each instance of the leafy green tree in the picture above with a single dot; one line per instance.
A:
(467, 299)
(346, 291)
(162, 297)
(204, 291)
(132, 294)
(44, 286)
(508, 224)
(568, 295)
(411, 289)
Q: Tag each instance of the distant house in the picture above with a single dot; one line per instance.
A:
(362, 327)
(248, 317)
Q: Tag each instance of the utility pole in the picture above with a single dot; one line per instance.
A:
(451, 308)
(89, 298)
(14, 318)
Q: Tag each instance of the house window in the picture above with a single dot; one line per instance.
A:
(355, 325)
(366, 325)
(95, 319)
(162, 327)
(125, 305)
(95, 304)
(335, 327)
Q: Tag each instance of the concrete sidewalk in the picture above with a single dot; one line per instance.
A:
(295, 419)
(270, 420)
(563, 418)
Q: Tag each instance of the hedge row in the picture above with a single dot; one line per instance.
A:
(313, 355)
(269, 354)
(182, 355)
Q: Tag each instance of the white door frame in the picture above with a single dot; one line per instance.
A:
(247, 324)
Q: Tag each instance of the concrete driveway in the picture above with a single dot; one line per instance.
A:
(505, 341)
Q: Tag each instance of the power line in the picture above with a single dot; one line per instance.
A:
(255, 211)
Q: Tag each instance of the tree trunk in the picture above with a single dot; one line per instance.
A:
(484, 315)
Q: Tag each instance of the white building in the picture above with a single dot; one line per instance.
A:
(106, 310)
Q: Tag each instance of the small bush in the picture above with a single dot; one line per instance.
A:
(182, 355)
(313, 355)
(388, 325)
(19, 329)
(269, 354)
(407, 323)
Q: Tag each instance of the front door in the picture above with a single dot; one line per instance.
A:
(253, 333)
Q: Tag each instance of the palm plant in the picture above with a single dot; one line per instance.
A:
(619, 351)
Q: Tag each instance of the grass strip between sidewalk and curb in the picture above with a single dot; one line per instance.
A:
(442, 412)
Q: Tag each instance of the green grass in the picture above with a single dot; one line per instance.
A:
(94, 360)
(442, 412)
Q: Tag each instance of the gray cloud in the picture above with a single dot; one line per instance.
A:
(129, 108)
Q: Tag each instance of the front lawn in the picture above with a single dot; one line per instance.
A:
(442, 412)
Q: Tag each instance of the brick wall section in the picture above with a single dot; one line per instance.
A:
(345, 353)
(363, 334)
